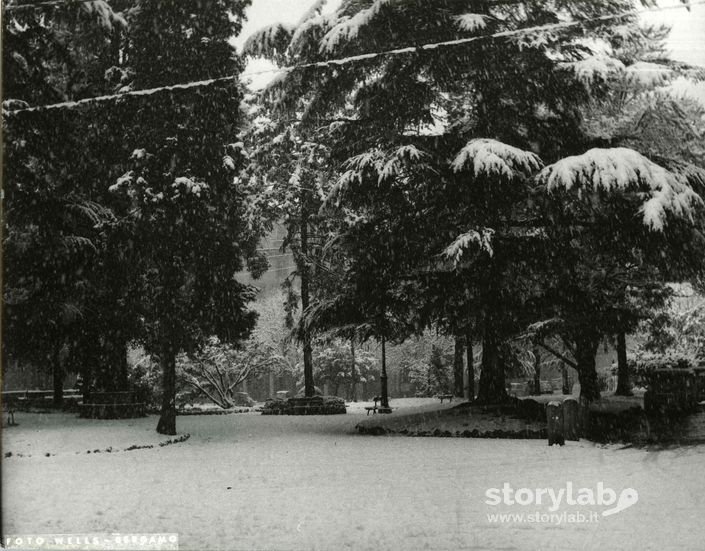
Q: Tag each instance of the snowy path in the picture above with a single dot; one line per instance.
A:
(260, 482)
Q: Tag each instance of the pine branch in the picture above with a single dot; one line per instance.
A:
(558, 355)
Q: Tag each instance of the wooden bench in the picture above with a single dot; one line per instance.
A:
(374, 408)
(8, 407)
(448, 397)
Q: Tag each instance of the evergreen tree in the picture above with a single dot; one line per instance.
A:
(54, 231)
(395, 117)
(187, 211)
(288, 175)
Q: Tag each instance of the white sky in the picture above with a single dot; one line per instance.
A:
(686, 43)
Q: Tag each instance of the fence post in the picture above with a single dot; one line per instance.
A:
(554, 423)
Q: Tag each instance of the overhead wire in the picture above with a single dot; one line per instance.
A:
(336, 62)
(47, 4)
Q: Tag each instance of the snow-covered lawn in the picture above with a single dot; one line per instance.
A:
(249, 481)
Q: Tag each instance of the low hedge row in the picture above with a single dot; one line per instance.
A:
(316, 405)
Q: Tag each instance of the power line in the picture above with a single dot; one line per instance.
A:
(346, 60)
(47, 4)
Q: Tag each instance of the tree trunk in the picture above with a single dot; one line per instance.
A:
(353, 377)
(309, 386)
(167, 360)
(471, 368)
(458, 366)
(537, 371)
(58, 379)
(492, 388)
(122, 378)
(585, 350)
(623, 384)
(383, 379)
(564, 376)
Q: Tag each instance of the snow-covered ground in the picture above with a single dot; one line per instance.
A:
(249, 481)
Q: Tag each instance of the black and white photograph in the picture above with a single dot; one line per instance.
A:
(363, 275)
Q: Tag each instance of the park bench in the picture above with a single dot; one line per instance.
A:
(448, 397)
(9, 406)
(112, 405)
(374, 408)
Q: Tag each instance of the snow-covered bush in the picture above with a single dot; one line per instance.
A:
(275, 406)
(216, 371)
(645, 363)
(332, 364)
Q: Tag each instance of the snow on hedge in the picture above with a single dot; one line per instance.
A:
(622, 169)
(486, 157)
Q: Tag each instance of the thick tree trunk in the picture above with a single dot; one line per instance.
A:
(383, 379)
(537, 371)
(471, 368)
(492, 388)
(58, 380)
(624, 387)
(309, 386)
(167, 360)
(585, 350)
(122, 379)
(116, 355)
(353, 377)
(458, 366)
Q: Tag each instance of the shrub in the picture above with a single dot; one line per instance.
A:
(323, 405)
(642, 365)
(332, 405)
(275, 406)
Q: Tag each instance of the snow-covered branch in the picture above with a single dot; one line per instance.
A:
(620, 170)
(491, 158)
